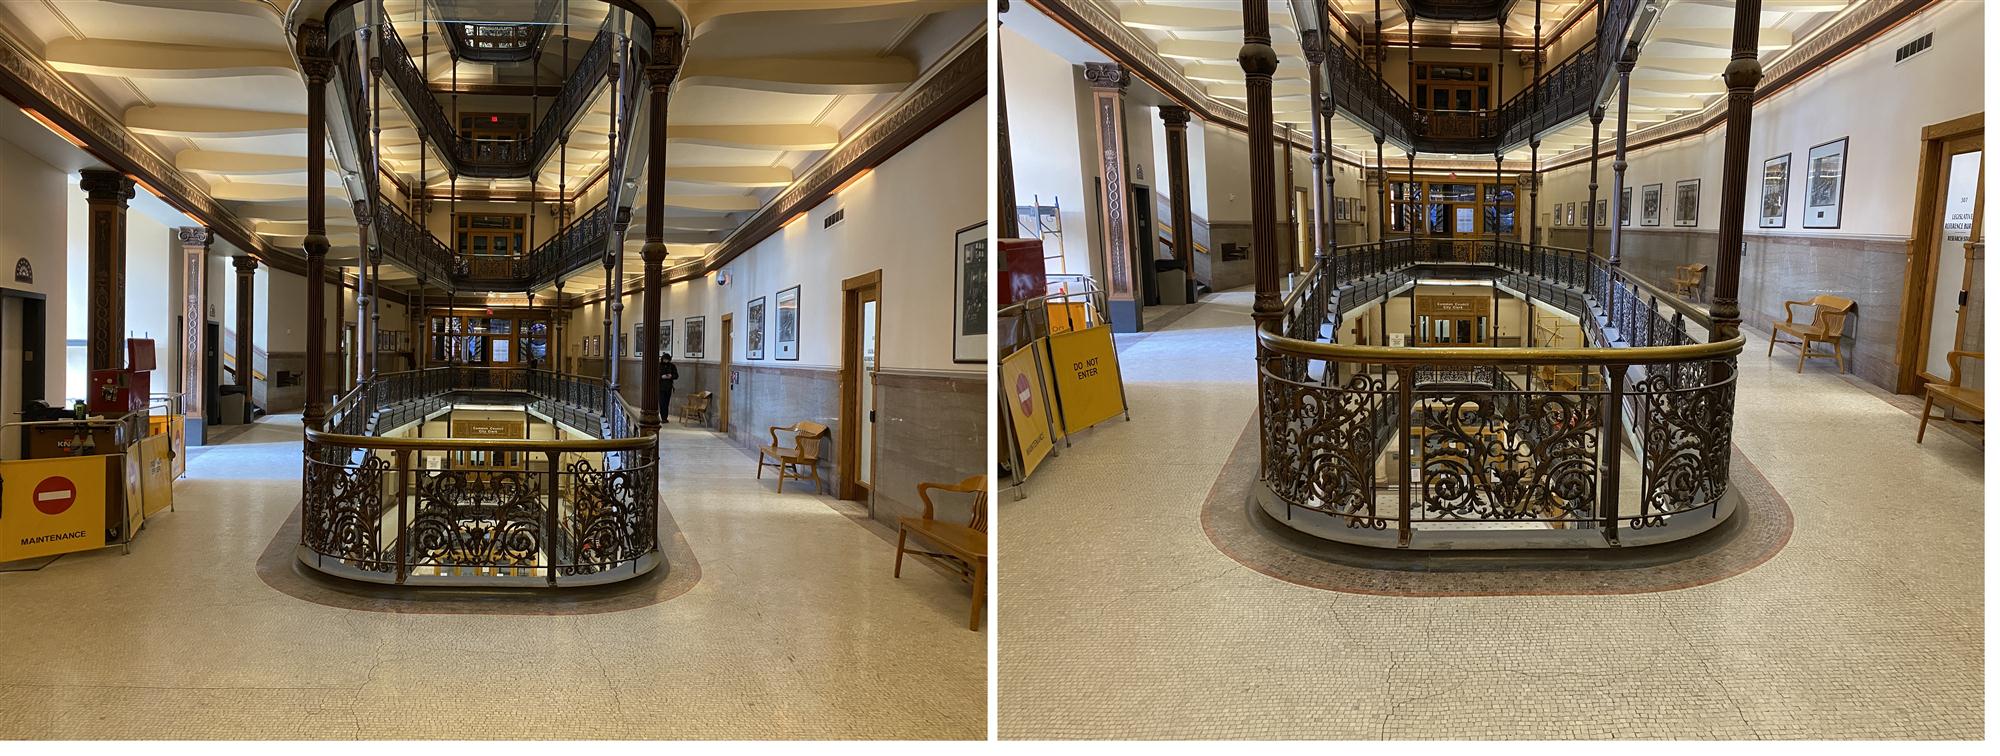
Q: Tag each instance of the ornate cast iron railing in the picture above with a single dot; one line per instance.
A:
(1383, 446)
(424, 511)
(412, 246)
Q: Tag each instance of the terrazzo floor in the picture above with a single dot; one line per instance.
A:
(796, 629)
(1118, 618)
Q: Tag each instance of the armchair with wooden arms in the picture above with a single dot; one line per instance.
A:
(1829, 321)
(1687, 279)
(1953, 395)
(962, 548)
(801, 461)
(695, 409)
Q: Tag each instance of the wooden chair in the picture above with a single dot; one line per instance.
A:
(1829, 320)
(1952, 395)
(1687, 280)
(695, 410)
(963, 546)
(804, 453)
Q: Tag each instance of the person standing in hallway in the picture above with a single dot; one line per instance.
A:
(668, 373)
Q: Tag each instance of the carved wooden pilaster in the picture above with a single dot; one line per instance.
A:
(107, 192)
(194, 318)
(1259, 62)
(1004, 147)
(660, 75)
(1181, 211)
(1107, 108)
(318, 68)
(246, 310)
(1618, 162)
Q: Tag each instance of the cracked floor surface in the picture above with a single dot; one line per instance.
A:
(796, 630)
(1118, 618)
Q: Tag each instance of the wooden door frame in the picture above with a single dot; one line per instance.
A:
(853, 292)
(722, 391)
(1920, 257)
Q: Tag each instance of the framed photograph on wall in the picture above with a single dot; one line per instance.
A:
(753, 330)
(1649, 204)
(787, 338)
(1603, 214)
(666, 337)
(1826, 181)
(639, 340)
(968, 314)
(1773, 191)
(1687, 201)
(1569, 214)
(1625, 207)
(696, 340)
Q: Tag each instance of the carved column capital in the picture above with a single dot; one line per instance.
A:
(100, 185)
(194, 236)
(1174, 116)
(245, 265)
(1314, 44)
(313, 59)
(1107, 76)
(668, 52)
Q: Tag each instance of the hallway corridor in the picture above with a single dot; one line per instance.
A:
(1121, 619)
(795, 629)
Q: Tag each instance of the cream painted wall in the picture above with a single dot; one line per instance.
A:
(1880, 107)
(31, 196)
(1042, 124)
(901, 219)
(152, 254)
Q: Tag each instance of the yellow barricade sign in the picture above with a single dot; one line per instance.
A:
(1086, 377)
(156, 473)
(1022, 387)
(51, 506)
(1065, 317)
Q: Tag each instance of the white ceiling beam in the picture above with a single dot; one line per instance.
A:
(155, 60)
(812, 76)
(761, 137)
(732, 175)
(178, 121)
(721, 203)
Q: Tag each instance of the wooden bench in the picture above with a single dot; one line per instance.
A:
(1953, 396)
(695, 409)
(963, 546)
(1829, 321)
(1687, 280)
(801, 461)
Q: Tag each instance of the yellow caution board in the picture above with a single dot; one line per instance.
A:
(1065, 317)
(1023, 388)
(1085, 364)
(51, 506)
(156, 473)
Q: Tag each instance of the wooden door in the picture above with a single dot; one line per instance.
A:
(728, 378)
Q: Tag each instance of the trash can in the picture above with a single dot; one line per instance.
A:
(1171, 280)
(230, 406)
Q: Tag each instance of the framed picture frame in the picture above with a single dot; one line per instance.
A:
(785, 343)
(1603, 214)
(1826, 184)
(639, 340)
(1687, 202)
(753, 330)
(1649, 204)
(968, 314)
(696, 340)
(1625, 206)
(1773, 191)
(1569, 213)
(666, 337)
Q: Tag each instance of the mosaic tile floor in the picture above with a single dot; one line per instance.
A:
(795, 630)
(1119, 619)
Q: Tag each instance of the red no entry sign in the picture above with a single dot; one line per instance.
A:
(54, 495)
(1027, 397)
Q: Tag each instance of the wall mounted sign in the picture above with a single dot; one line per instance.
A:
(1826, 181)
(667, 338)
(1774, 191)
(968, 315)
(1649, 204)
(787, 339)
(1625, 207)
(24, 271)
(1603, 218)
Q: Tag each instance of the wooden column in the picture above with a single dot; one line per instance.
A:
(1004, 149)
(660, 75)
(107, 193)
(1121, 280)
(1742, 75)
(1590, 208)
(1534, 197)
(1381, 191)
(1181, 212)
(1321, 237)
(318, 68)
(194, 332)
(246, 321)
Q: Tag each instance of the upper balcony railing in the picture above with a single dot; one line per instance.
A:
(1566, 92)
(481, 512)
(1621, 444)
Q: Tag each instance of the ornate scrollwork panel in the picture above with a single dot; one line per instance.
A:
(1509, 455)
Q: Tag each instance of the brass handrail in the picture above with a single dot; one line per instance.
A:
(1385, 355)
(481, 444)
